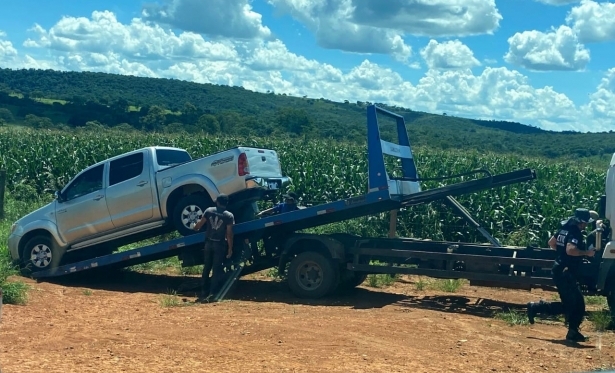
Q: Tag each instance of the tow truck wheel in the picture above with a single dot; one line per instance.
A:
(188, 211)
(40, 254)
(312, 275)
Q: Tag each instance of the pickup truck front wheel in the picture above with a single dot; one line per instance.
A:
(188, 211)
(40, 254)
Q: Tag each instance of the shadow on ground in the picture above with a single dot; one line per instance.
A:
(128, 281)
(563, 342)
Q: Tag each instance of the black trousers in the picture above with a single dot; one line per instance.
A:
(215, 253)
(572, 303)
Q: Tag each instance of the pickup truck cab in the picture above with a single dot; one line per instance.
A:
(142, 194)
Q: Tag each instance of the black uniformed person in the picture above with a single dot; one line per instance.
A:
(570, 246)
(218, 236)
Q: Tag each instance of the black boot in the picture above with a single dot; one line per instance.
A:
(575, 336)
(533, 309)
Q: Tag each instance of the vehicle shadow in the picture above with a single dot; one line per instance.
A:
(263, 291)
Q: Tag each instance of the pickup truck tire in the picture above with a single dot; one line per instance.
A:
(45, 254)
(312, 275)
(189, 210)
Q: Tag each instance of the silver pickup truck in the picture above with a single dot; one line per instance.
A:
(139, 195)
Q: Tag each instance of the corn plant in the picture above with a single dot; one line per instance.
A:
(39, 162)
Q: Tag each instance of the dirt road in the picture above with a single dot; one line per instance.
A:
(124, 323)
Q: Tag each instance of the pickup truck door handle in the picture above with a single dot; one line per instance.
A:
(61, 211)
(142, 183)
(98, 197)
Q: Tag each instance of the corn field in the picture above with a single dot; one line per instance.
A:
(40, 162)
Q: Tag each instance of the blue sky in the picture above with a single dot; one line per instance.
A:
(548, 63)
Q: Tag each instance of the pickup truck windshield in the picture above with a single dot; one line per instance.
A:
(170, 157)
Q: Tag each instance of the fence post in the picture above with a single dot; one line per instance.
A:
(2, 187)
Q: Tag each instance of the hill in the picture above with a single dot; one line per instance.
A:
(47, 98)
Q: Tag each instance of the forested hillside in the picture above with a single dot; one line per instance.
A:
(54, 99)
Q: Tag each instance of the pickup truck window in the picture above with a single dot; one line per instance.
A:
(88, 182)
(125, 168)
(170, 157)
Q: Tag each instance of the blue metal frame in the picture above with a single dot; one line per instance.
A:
(378, 177)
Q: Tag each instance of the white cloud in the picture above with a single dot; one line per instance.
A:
(228, 18)
(428, 17)
(138, 48)
(6, 47)
(593, 21)
(557, 50)
(331, 23)
(558, 2)
(602, 102)
(275, 56)
(448, 55)
(103, 33)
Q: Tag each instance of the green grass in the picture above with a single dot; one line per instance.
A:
(15, 291)
(172, 300)
(595, 300)
(600, 319)
(513, 317)
(381, 280)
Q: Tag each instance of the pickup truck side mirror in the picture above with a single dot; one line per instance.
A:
(58, 196)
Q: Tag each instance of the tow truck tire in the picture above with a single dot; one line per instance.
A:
(188, 211)
(45, 252)
(312, 275)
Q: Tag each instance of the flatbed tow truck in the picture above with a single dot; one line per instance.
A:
(316, 265)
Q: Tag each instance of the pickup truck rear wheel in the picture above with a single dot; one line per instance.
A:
(188, 211)
(40, 254)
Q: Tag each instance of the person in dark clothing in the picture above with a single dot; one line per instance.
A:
(218, 242)
(289, 204)
(570, 247)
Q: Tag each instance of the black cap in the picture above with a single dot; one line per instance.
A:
(222, 199)
(581, 215)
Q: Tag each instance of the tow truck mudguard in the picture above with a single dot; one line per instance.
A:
(296, 243)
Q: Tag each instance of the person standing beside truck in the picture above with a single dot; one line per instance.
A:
(218, 241)
(570, 246)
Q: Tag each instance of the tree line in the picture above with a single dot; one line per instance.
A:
(64, 100)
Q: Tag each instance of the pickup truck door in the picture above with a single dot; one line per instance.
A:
(82, 212)
(129, 195)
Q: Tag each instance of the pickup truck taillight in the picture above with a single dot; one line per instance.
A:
(242, 165)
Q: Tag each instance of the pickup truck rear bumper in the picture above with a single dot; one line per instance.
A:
(259, 189)
(269, 183)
